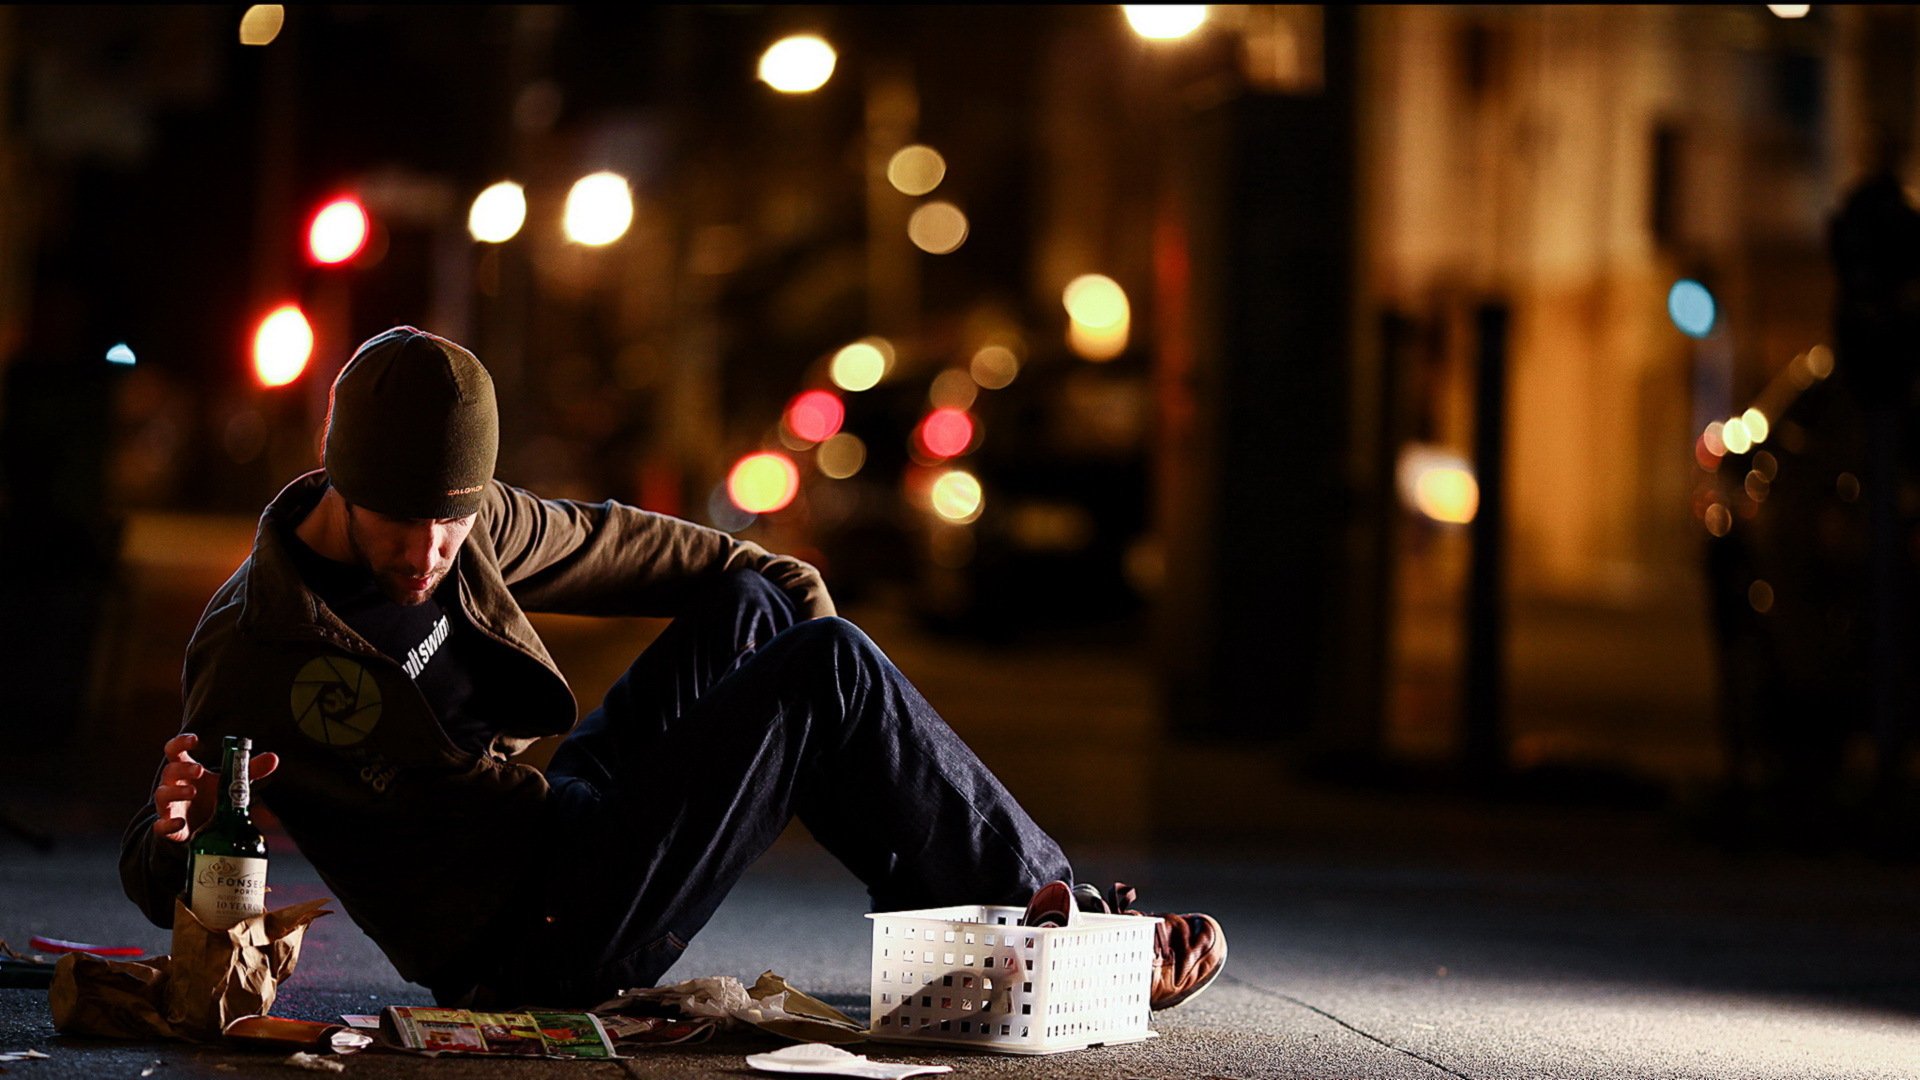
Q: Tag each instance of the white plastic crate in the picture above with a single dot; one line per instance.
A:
(972, 976)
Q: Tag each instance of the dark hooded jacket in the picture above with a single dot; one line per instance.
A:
(421, 841)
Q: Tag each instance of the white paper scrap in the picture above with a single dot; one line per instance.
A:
(833, 1061)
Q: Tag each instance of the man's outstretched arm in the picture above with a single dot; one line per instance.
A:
(153, 853)
(612, 559)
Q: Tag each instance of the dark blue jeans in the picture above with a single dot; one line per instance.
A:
(733, 722)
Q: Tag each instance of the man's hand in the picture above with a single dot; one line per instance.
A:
(188, 790)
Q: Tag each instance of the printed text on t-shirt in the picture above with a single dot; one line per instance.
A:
(418, 656)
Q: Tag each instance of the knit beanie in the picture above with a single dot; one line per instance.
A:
(412, 429)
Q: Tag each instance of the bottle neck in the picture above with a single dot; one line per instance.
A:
(236, 784)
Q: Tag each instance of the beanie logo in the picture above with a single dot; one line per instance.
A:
(465, 490)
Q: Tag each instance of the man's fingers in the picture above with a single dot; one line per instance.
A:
(170, 828)
(177, 748)
(177, 772)
(262, 767)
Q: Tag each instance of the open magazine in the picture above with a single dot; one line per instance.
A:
(518, 1034)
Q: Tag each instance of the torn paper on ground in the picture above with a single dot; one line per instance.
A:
(833, 1061)
(771, 1004)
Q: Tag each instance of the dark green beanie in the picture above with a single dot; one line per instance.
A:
(412, 430)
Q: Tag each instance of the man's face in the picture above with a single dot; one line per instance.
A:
(407, 556)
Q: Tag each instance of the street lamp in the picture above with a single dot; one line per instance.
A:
(599, 209)
(799, 64)
(1164, 22)
(498, 212)
(338, 232)
(281, 346)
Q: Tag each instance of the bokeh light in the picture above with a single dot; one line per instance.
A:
(953, 389)
(797, 65)
(1715, 438)
(1438, 483)
(946, 433)
(1095, 300)
(1790, 11)
(1164, 22)
(994, 367)
(956, 497)
(120, 354)
(1760, 596)
(841, 456)
(815, 415)
(1691, 307)
(916, 170)
(937, 228)
(262, 23)
(1719, 519)
(338, 232)
(282, 345)
(1847, 486)
(599, 209)
(764, 482)
(1735, 435)
(1450, 495)
(1820, 361)
(1100, 316)
(860, 365)
(1756, 424)
(498, 212)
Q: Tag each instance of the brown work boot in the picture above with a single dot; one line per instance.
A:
(1189, 951)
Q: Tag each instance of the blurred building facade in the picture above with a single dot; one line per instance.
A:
(1308, 211)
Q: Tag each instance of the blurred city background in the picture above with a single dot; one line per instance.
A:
(1494, 402)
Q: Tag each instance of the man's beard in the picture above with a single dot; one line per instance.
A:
(395, 587)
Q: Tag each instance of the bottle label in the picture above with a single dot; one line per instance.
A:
(239, 790)
(226, 889)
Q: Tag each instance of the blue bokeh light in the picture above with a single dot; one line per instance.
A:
(120, 354)
(1691, 307)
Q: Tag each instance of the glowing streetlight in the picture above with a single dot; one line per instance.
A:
(859, 366)
(282, 345)
(262, 23)
(1100, 315)
(956, 497)
(764, 482)
(338, 232)
(1164, 22)
(916, 170)
(799, 64)
(937, 228)
(599, 209)
(498, 212)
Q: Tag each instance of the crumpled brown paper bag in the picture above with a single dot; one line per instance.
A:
(211, 978)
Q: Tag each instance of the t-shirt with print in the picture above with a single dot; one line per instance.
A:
(431, 640)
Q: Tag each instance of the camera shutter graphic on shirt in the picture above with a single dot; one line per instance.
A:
(335, 701)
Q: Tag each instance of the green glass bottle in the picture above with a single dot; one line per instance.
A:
(227, 858)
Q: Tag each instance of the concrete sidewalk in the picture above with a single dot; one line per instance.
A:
(1352, 966)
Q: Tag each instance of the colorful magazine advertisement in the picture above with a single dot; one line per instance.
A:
(521, 1034)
